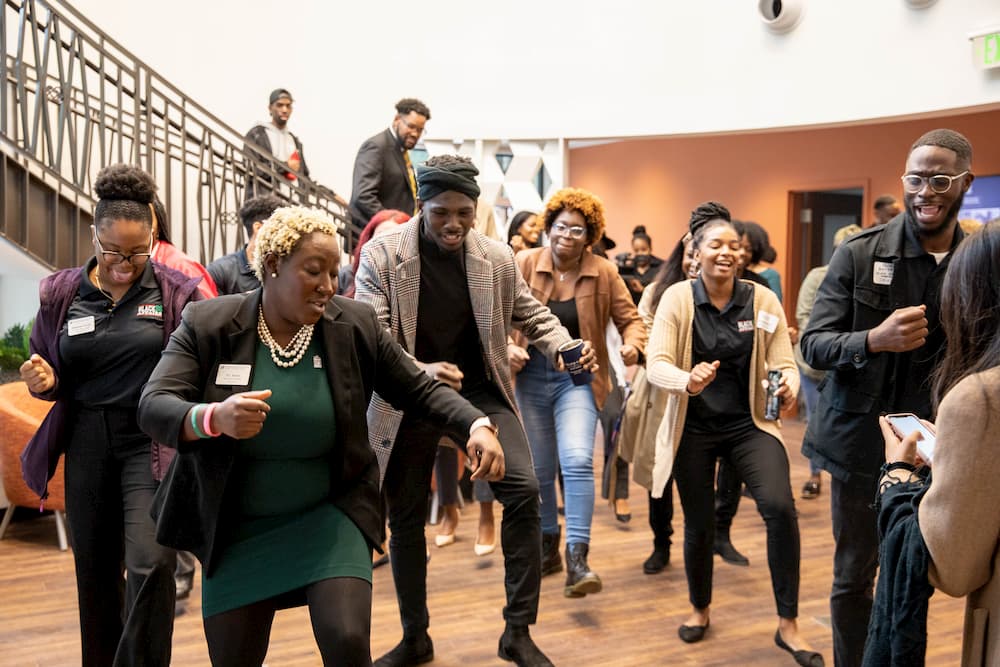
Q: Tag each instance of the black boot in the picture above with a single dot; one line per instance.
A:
(551, 560)
(517, 646)
(411, 651)
(724, 547)
(579, 579)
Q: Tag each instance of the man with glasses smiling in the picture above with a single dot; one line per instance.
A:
(383, 174)
(875, 328)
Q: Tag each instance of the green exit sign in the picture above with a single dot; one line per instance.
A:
(986, 50)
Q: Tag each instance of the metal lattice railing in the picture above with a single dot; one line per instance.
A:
(74, 101)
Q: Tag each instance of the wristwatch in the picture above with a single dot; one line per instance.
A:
(488, 423)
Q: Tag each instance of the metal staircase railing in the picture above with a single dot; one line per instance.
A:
(73, 101)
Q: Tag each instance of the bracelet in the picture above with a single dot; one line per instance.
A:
(898, 465)
(206, 421)
(194, 421)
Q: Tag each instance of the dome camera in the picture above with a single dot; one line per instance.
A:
(780, 15)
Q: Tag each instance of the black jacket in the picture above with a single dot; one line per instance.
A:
(193, 504)
(897, 629)
(233, 274)
(380, 179)
(257, 144)
(871, 275)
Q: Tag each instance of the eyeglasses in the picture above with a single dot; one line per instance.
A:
(419, 129)
(940, 183)
(572, 232)
(114, 257)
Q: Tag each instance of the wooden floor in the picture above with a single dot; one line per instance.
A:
(632, 622)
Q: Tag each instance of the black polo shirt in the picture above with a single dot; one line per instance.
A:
(725, 336)
(108, 353)
(446, 323)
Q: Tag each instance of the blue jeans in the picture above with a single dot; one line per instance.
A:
(560, 419)
(810, 392)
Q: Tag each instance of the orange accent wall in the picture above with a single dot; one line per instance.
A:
(657, 182)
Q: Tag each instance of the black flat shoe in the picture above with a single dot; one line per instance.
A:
(804, 658)
(692, 633)
(624, 518)
(810, 490)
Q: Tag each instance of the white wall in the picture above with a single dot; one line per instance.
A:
(556, 68)
(19, 278)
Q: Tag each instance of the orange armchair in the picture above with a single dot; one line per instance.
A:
(20, 415)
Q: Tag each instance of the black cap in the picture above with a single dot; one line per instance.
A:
(278, 93)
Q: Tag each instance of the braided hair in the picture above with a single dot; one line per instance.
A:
(705, 216)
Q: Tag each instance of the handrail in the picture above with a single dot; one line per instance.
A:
(75, 100)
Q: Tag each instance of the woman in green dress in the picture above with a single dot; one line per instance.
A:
(275, 488)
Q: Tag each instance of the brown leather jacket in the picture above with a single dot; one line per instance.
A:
(601, 296)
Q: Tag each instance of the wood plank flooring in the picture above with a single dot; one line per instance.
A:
(632, 622)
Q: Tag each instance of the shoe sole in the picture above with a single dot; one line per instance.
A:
(583, 587)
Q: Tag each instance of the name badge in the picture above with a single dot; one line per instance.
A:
(767, 321)
(233, 375)
(80, 325)
(883, 273)
(744, 326)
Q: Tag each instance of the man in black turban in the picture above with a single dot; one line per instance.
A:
(451, 296)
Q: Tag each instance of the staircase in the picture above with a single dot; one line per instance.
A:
(73, 101)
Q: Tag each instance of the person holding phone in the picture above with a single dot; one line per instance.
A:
(944, 530)
(713, 342)
(275, 488)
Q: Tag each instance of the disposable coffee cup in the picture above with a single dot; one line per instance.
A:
(570, 353)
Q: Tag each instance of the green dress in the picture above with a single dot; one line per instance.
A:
(287, 533)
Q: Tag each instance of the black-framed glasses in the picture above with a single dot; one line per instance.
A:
(115, 257)
(573, 232)
(940, 183)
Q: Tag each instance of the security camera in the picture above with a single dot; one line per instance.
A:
(780, 15)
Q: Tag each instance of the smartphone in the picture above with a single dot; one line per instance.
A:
(906, 423)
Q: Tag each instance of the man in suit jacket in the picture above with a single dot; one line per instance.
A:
(451, 296)
(383, 175)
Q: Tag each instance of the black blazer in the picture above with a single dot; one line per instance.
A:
(193, 505)
(380, 179)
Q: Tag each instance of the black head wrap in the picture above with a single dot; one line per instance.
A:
(432, 181)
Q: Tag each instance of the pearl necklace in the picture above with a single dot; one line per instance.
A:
(296, 347)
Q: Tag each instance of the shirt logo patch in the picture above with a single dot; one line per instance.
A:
(150, 310)
(743, 326)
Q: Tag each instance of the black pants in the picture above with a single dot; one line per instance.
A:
(855, 559)
(407, 485)
(728, 485)
(661, 517)
(760, 459)
(109, 491)
(340, 610)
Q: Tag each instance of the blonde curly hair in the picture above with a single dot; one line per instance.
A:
(282, 232)
(585, 203)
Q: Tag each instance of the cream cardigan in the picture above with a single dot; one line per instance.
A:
(669, 366)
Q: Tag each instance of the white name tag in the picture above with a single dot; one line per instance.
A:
(883, 273)
(80, 325)
(233, 375)
(767, 321)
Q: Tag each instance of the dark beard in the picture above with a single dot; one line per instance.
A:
(945, 227)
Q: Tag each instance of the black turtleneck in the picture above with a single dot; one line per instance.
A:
(446, 324)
